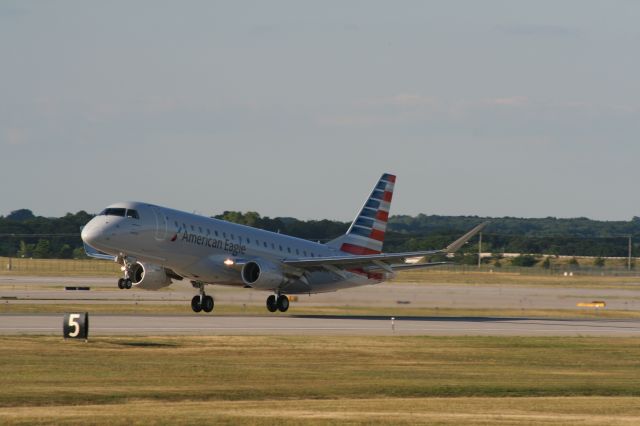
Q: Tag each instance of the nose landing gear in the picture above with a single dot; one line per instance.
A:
(127, 269)
(124, 283)
(277, 303)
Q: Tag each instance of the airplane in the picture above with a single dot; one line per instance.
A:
(155, 245)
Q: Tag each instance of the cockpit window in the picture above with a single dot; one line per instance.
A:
(113, 212)
(133, 214)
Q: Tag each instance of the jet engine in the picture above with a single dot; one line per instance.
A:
(149, 277)
(262, 274)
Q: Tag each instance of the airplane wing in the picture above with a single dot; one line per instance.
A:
(383, 260)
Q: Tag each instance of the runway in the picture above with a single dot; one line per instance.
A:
(18, 290)
(149, 325)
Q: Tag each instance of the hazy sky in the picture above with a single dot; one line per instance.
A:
(294, 108)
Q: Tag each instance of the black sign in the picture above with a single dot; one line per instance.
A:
(76, 325)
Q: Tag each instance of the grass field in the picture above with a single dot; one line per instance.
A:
(513, 278)
(320, 380)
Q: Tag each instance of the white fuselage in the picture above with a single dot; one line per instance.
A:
(196, 247)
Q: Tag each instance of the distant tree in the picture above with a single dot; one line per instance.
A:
(42, 249)
(79, 253)
(469, 259)
(525, 260)
(498, 264)
(21, 215)
(65, 252)
(25, 249)
(574, 262)
(599, 262)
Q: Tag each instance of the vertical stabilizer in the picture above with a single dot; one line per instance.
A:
(366, 233)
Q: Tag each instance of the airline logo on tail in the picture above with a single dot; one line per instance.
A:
(366, 234)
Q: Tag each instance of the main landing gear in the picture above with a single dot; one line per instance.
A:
(201, 302)
(277, 303)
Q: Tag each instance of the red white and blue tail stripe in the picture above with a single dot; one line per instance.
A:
(366, 233)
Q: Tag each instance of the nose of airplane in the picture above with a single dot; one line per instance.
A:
(90, 233)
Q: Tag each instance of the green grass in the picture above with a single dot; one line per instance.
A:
(221, 374)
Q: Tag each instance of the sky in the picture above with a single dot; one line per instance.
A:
(295, 108)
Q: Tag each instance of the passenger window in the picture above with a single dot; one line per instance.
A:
(289, 249)
(273, 246)
(305, 253)
(176, 222)
(216, 232)
(208, 231)
(184, 226)
(298, 252)
(232, 237)
(200, 228)
(224, 234)
(313, 255)
(265, 245)
(280, 248)
(248, 241)
(193, 228)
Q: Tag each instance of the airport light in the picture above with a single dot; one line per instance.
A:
(480, 250)
(629, 258)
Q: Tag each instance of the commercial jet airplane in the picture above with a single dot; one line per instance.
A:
(156, 245)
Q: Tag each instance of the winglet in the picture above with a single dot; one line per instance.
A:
(455, 246)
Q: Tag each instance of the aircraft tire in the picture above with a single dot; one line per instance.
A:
(128, 284)
(121, 283)
(272, 304)
(207, 304)
(283, 303)
(195, 304)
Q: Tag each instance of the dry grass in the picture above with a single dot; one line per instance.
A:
(58, 267)
(320, 380)
(427, 276)
(233, 367)
(445, 411)
(152, 308)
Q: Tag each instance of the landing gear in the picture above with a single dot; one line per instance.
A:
(207, 304)
(279, 303)
(272, 304)
(195, 304)
(201, 302)
(124, 283)
(283, 303)
(127, 265)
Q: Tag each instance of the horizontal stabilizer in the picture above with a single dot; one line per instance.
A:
(455, 246)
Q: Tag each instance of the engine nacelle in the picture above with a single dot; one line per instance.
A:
(262, 274)
(149, 277)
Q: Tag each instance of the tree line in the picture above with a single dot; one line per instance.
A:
(22, 234)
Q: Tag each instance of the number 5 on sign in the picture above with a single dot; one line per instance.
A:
(76, 325)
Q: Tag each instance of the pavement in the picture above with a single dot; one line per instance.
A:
(153, 325)
(39, 290)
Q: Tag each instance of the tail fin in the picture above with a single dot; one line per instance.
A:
(366, 233)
